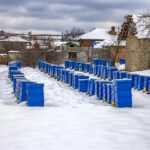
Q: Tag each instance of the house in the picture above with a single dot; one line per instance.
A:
(108, 40)
(138, 42)
(13, 42)
(95, 36)
(11, 46)
(70, 49)
(117, 47)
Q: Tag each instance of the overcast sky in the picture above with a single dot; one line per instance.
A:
(59, 15)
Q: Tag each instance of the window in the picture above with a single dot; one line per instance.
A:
(72, 55)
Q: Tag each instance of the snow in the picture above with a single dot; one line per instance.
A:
(95, 34)
(111, 41)
(70, 120)
(14, 51)
(120, 66)
(14, 39)
(58, 43)
(3, 54)
(140, 26)
(144, 72)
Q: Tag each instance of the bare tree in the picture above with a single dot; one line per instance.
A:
(74, 32)
(144, 20)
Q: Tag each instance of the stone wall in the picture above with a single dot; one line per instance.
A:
(137, 54)
(101, 53)
(120, 54)
(82, 55)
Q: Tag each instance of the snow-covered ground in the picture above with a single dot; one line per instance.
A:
(144, 72)
(70, 120)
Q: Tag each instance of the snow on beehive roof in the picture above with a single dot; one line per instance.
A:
(140, 26)
(15, 39)
(96, 34)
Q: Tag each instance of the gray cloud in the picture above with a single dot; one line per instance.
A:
(59, 15)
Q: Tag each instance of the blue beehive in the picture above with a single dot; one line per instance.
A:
(136, 82)
(66, 64)
(104, 90)
(116, 75)
(15, 80)
(133, 78)
(109, 63)
(110, 72)
(148, 88)
(81, 67)
(49, 69)
(122, 61)
(83, 85)
(91, 69)
(109, 89)
(99, 71)
(113, 95)
(77, 66)
(66, 76)
(23, 90)
(87, 67)
(18, 87)
(123, 93)
(97, 82)
(71, 73)
(123, 75)
(38, 64)
(35, 94)
(57, 72)
(95, 69)
(63, 75)
(105, 73)
(101, 62)
(100, 94)
(53, 70)
(12, 68)
(146, 82)
(91, 87)
(96, 62)
(45, 68)
(104, 62)
(13, 72)
(140, 82)
(14, 64)
(72, 64)
(76, 78)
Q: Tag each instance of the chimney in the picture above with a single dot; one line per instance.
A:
(112, 31)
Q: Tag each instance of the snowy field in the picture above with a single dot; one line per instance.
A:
(70, 120)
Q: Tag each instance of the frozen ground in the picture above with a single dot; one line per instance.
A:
(70, 120)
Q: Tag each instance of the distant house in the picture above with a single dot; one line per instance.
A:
(105, 39)
(95, 36)
(12, 46)
(118, 47)
(71, 49)
(13, 42)
(138, 43)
